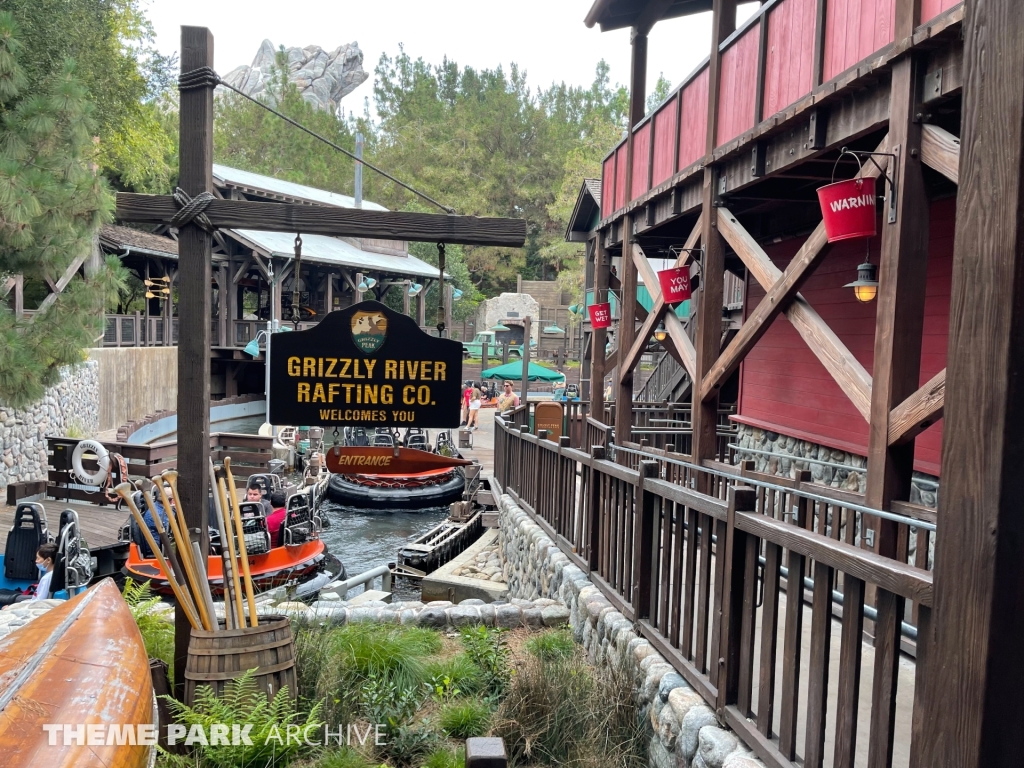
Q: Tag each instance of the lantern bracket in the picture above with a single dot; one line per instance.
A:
(893, 195)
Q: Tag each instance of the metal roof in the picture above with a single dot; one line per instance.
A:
(616, 14)
(271, 187)
(331, 250)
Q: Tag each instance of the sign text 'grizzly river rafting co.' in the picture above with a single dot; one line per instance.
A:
(365, 366)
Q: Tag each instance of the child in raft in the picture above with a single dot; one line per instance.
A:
(46, 556)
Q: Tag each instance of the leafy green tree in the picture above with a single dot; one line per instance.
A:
(111, 42)
(51, 203)
(247, 136)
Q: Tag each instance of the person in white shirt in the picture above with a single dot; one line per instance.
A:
(46, 555)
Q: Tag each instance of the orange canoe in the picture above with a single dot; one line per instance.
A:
(81, 663)
(279, 566)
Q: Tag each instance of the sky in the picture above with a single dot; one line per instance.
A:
(547, 38)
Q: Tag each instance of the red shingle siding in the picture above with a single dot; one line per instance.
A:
(854, 29)
(790, 56)
(738, 86)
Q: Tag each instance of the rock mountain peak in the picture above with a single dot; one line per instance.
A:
(323, 78)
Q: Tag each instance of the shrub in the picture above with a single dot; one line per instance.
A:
(561, 713)
(465, 719)
(487, 649)
(333, 663)
(243, 703)
(155, 625)
(551, 646)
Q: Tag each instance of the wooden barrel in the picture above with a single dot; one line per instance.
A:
(215, 658)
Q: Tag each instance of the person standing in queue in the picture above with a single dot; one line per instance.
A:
(467, 392)
(475, 398)
(507, 400)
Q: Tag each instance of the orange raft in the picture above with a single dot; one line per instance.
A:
(279, 567)
(81, 663)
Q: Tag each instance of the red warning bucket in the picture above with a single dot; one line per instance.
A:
(675, 284)
(600, 315)
(848, 208)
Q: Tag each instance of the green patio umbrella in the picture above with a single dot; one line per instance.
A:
(514, 372)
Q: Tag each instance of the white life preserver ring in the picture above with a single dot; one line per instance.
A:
(102, 458)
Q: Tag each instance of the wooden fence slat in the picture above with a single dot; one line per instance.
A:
(769, 639)
(817, 673)
(849, 672)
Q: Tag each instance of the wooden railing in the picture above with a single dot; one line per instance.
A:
(137, 330)
(742, 588)
(250, 454)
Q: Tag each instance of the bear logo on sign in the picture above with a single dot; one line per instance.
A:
(369, 329)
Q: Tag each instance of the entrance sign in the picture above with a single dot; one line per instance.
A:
(675, 284)
(365, 460)
(365, 366)
(548, 416)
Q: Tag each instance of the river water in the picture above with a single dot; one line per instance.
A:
(365, 539)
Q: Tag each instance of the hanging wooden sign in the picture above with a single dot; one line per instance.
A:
(379, 460)
(368, 366)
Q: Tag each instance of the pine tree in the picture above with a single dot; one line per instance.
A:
(52, 201)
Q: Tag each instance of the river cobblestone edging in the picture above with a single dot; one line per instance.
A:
(684, 730)
(71, 405)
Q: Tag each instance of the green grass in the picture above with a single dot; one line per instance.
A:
(465, 718)
(345, 757)
(551, 646)
(396, 653)
(565, 712)
(460, 670)
(445, 758)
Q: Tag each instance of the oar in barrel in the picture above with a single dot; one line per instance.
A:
(187, 549)
(232, 586)
(124, 490)
(250, 594)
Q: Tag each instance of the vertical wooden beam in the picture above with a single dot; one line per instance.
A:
(979, 570)
(19, 296)
(762, 62)
(709, 300)
(599, 336)
(627, 269)
(626, 336)
(195, 172)
(899, 325)
(818, 62)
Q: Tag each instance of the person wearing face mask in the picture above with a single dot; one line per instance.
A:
(46, 556)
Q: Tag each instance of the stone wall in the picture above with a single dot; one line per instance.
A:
(72, 405)
(684, 730)
(847, 471)
(491, 311)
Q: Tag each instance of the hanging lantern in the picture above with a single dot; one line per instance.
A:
(675, 284)
(600, 315)
(865, 287)
(661, 333)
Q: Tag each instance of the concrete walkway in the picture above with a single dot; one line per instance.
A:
(483, 441)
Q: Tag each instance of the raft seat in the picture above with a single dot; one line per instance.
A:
(27, 534)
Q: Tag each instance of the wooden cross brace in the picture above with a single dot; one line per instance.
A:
(678, 343)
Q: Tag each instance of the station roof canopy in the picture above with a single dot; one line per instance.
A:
(616, 14)
(283, 191)
(117, 238)
(333, 251)
(586, 212)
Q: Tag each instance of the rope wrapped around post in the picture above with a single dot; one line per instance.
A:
(191, 210)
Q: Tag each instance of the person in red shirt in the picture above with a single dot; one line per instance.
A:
(467, 391)
(276, 518)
